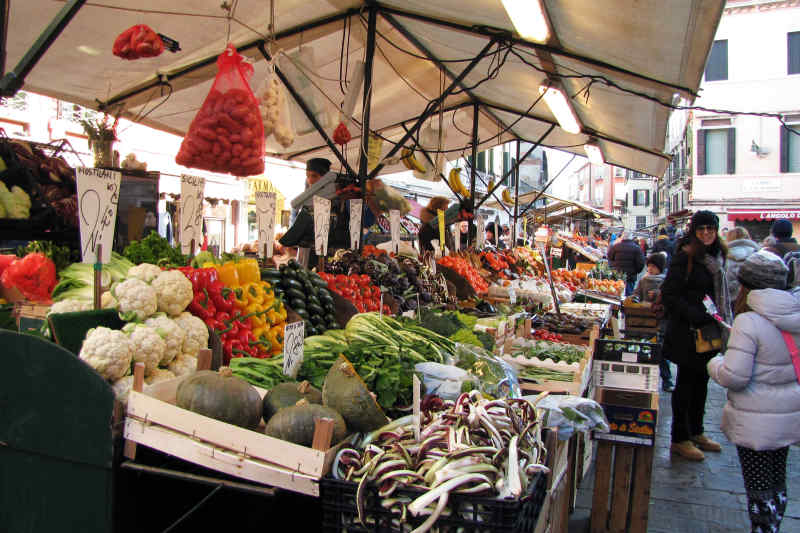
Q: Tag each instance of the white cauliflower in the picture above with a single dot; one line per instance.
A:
(196, 333)
(183, 364)
(161, 374)
(122, 387)
(145, 272)
(172, 334)
(174, 292)
(108, 351)
(107, 301)
(148, 346)
(70, 306)
(137, 300)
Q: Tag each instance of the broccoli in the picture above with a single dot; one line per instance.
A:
(466, 336)
(445, 324)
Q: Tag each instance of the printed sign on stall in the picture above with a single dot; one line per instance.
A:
(192, 193)
(322, 224)
(394, 229)
(355, 223)
(265, 217)
(293, 336)
(98, 196)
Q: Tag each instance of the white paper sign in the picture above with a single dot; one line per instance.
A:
(293, 336)
(355, 223)
(481, 222)
(556, 252)
(512, 296)
(456, 237)
(98, 196)
(265, 218)
(394, 229)
(192, 192)
(322, 224)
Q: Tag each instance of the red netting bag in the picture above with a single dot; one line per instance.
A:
(137, 42)
(227, 134)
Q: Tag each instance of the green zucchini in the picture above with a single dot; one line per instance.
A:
(270, 273)
(318, 281)
(315, 309)
(324, 294)
(289, 283)
(296, 293)
(297, 303)
(302, 313)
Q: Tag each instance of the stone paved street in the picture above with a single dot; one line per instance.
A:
(705, 497)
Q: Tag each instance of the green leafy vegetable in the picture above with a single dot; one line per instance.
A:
(62, 256)
(156, 250)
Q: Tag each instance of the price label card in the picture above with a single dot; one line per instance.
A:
(265, 217)
(98, 197)
(556, 252)
(356, 207)
(192, 192)
(394, 229)
(481, 222)
(440, 217)
(456, 237)
(512, 296)
(322, 224)
(293, 336)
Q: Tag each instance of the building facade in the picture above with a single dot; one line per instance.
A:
(747, 167)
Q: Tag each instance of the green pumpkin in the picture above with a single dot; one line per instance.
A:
(288, 394)
(296, 423)
(221, 396)
(345, 392)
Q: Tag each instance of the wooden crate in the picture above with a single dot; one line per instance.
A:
(582, 377)
(621, 488)
(155, 421)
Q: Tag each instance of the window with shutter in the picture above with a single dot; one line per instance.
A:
(731, 151)
(701, 152)
(716, 152)
(793, 45)
(717, 66)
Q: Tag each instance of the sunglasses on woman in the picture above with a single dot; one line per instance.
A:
(706, 229)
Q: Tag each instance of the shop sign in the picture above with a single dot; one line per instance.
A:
(789, 214)
(761, 185)
(98, 194)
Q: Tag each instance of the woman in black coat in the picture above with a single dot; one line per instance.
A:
(697, 270)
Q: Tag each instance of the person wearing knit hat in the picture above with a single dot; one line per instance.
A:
(784, 243)
(697, 270)
(647, 290)
(762, 415)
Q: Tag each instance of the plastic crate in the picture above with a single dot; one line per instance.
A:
(469, 513)
(627, 351)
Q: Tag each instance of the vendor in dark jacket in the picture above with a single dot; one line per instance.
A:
(626, 256)
(697, 270)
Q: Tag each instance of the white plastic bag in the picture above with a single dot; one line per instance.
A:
(445, 381)
(273, 103)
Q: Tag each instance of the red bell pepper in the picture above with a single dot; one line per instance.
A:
(222, 296)
(201, 306)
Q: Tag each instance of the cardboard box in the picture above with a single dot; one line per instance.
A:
(632, 416)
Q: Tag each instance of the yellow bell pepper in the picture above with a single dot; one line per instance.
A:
(272, 317)
(277, 331)
(239, 299)
(260, 331)
(257, 311)
(253, 293)
(282, 311)
(248, 271)
(228, 275)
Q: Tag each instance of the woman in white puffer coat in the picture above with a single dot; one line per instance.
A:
(762, 415)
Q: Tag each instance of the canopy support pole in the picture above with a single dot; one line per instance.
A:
(515, 166)
(516, 200)
(433, 106)
(308, 113)
(473, 171)
(367, 100)
(13, 81)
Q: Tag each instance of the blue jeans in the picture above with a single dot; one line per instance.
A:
(630, 284)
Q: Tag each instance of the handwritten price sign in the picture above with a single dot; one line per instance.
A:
(394, 229)
(355, 223)
(265, 216)
(481, 235)
(98, 196)
(192, 191)
(322, 224)
(456, 229)
(293, 336)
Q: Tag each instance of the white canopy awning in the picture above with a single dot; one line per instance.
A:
(653, 48)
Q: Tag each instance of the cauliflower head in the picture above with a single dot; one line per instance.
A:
(108, 351)
(183, 364)
(145, 272)
(174, 292)
(137, 300)
(161, 374)
(196, 333)
(148, 346)
(172, 334)
(107, 301)
(122, 387)
(70, 305)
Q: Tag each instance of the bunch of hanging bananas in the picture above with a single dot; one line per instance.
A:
(507, 197)
(411, 162)
(455, 182)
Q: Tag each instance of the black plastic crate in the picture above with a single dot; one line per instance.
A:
(469, 513)
(627, 351)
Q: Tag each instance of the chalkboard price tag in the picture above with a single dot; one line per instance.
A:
(98, 197)
(191, 219)
(293, 336)
(265, 217)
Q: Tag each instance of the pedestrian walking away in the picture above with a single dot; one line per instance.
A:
(697, 270)
(626, 256)
(762, 415)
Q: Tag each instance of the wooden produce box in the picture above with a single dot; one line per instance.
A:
(577, 387)
(155, 421)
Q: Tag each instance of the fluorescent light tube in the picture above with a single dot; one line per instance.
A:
(528, 18)
(556, 100)
(594, 153)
